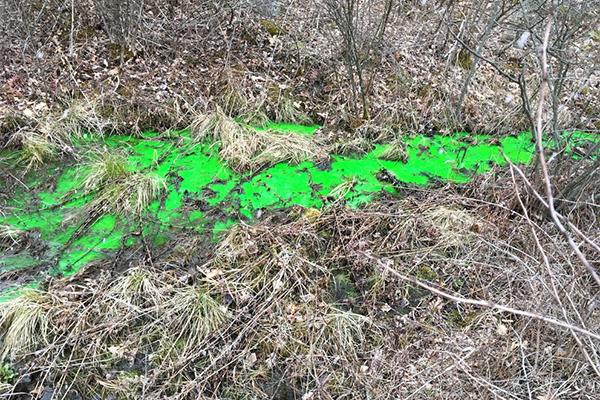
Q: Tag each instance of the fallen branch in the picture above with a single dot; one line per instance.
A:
(482, 303)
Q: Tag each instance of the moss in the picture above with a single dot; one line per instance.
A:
(426, 273)
(86, 32)
(119, 52)
(464, 59)
(424, 91)
(459, 319)
(272, 27)
(345, 290)
(7, 374)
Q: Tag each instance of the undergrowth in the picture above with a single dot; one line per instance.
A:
(306, 307)
(45, 136)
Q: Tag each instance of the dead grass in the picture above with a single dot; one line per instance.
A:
(286, 109)
(193, 314)
(44, 136)
(105, 166)
(81, 117)
(25, 323)
(454, 225)
(138, 286)
(36, 149)
(301, 307)
(351, 147)
(129, 196)
(341, 138)
(246, 149)
(235, 98)
(119, 190)
(396, 151)
(278, 147)
(10, 236)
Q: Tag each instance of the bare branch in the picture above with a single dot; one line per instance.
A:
(542, 159)
(484, 303)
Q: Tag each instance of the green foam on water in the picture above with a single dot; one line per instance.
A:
(18, 261)
(204, 195)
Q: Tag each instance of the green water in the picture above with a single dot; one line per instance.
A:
(204, 195)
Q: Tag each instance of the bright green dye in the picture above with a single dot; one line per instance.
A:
(205, 196)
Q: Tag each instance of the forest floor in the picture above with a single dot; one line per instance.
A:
(218, 224)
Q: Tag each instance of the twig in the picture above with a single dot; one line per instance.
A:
(483, 303)
(555, 293)
(542, 159)
(572, 226)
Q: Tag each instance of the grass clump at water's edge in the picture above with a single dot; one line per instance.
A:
(36, 150)
(119, 189)
(24, 322)
(248, 149)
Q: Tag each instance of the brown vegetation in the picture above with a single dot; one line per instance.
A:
(316, 307)
(489, 290)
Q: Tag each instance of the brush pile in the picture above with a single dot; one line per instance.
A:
(305, 306)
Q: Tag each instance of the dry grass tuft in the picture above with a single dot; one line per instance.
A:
(256, 117)
(80, 117)
(287, 110)
(138, 287)
(36, 150)
(235, 99)
(239, 143)
(351, 147)
(129, 195)
(454, 225)
(278, 147)
(396, 151)
(105, 167)
(340, 331)
(10, 236)
(24, 323)
(43, 136)
(192, 315)
(246, 149)
(119, 189)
